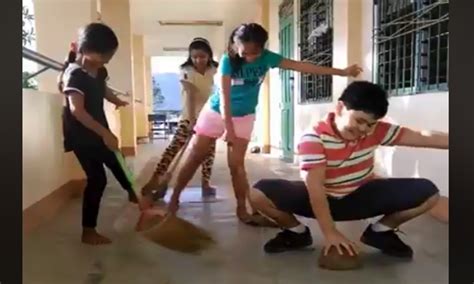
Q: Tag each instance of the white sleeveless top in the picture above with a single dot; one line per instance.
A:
(203, 82)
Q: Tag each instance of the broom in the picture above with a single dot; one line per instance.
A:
(123, 164)
(171, 232)
(180, 235)
(160, 191)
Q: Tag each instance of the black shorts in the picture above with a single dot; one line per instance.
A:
(375, 198)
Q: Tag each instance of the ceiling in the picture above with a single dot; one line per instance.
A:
(146, 14)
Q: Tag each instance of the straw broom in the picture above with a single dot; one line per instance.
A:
(171, 232)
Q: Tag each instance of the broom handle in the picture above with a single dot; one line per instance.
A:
(126, 170)
(180, 155)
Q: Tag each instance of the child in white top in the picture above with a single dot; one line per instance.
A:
(197, 81)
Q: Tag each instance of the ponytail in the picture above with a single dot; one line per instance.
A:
(71, 58)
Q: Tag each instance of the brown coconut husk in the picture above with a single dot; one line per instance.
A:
(335, 261)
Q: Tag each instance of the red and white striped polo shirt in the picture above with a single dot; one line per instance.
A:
(349, 164)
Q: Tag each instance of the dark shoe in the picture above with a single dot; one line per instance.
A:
(289, 240)
(388, 242)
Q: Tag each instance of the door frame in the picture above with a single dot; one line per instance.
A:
(287, 129)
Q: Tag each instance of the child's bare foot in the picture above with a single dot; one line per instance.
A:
(207, 190)
(156, 186)
(91, 237)
(151, 185)
(146, 202)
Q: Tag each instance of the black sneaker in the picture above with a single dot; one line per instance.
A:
(289, 240)
(388, 242)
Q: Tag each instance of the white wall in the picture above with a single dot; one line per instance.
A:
(426, 111)
(45, 165)
(56, 27)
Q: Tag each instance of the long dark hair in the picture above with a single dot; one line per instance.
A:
(95, 37)
(245, 33)
(200, 44)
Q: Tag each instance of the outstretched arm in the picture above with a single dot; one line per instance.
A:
(314, 180)
(424, 139)
(308, 67)
(112, 98)
(189, 91)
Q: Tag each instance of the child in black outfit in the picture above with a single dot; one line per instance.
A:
(86, 130)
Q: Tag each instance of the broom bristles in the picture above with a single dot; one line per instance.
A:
(180, 235)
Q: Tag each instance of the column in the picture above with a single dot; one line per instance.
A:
(265, 89)
(52, 39)
(139, 86)
(148, 84)
(116, 14)
(348, 40)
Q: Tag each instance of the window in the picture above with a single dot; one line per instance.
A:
(316, 28)
(411, 45)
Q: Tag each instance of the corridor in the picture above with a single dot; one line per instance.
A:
(53, 253)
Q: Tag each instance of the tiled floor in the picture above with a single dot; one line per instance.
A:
(53, 254)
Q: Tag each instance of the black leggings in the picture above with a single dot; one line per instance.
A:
(92, 160)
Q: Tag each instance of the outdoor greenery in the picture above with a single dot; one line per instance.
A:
(158, 97)
(28, 36)
(28, 84)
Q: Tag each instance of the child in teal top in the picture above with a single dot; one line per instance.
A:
(246, 82)
(231, 110)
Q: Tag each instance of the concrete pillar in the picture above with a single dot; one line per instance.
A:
(57, 24)
(138, 68)
(148, 84)
(264, 103)
(116, 14)
(348, 39)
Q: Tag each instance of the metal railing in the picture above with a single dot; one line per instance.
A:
(52, 64)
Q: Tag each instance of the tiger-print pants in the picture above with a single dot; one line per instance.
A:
(183, 133)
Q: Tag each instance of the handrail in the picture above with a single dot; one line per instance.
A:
(49, 63)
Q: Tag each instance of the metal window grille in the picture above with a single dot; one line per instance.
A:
(316, 28)
(411, 43)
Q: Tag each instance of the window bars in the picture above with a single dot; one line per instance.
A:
(316, 28)
(411, 45)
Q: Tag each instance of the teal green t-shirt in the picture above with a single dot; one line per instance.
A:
(246, 82)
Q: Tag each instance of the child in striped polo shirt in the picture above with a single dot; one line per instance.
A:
(339, 184)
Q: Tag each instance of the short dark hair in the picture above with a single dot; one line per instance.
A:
(94, 37)
(367, 97)
(200, 43)
(97, 37)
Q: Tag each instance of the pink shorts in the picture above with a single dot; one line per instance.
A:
(211, 124)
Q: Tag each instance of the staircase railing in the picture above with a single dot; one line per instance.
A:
(52, 64)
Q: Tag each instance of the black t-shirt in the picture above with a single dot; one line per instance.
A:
(77, 80)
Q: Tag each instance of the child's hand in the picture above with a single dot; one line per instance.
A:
(120, 104)
(230, 137)
(353, 71)
(111, 141)
(338, 240)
